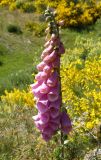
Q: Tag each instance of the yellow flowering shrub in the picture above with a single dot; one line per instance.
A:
(17, 97)
(78, 14)
(81, 83)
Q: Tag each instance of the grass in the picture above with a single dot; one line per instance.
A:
(22, 52)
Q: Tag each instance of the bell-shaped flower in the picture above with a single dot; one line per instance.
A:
(36, 92)
(53, 94)
(54, 112)
(50, 58)
(48, 130)
(44, 117)
(42, 106)
(44, 88)
(65, 123)
(47, 69)
(47, 51)
(53, 79)
(41, 76)
(55, 104)
(40, 66)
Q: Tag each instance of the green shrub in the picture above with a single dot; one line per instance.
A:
(14, 29)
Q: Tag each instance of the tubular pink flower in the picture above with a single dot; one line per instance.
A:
(36, 92)
(50, 58)
(44, 88)
(53, 95)
(53, 79)
(44, 117)
(42, 106)
(48, 130)
(40, 66)
(55, 104)
(47, 51)
(65, 123)
(47, 69)
(54, 112)
(41, 76)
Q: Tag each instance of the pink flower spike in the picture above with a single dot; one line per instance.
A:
(65, 121)
(53, 79)
(40, 66)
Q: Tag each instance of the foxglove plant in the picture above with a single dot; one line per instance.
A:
(47, 88)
